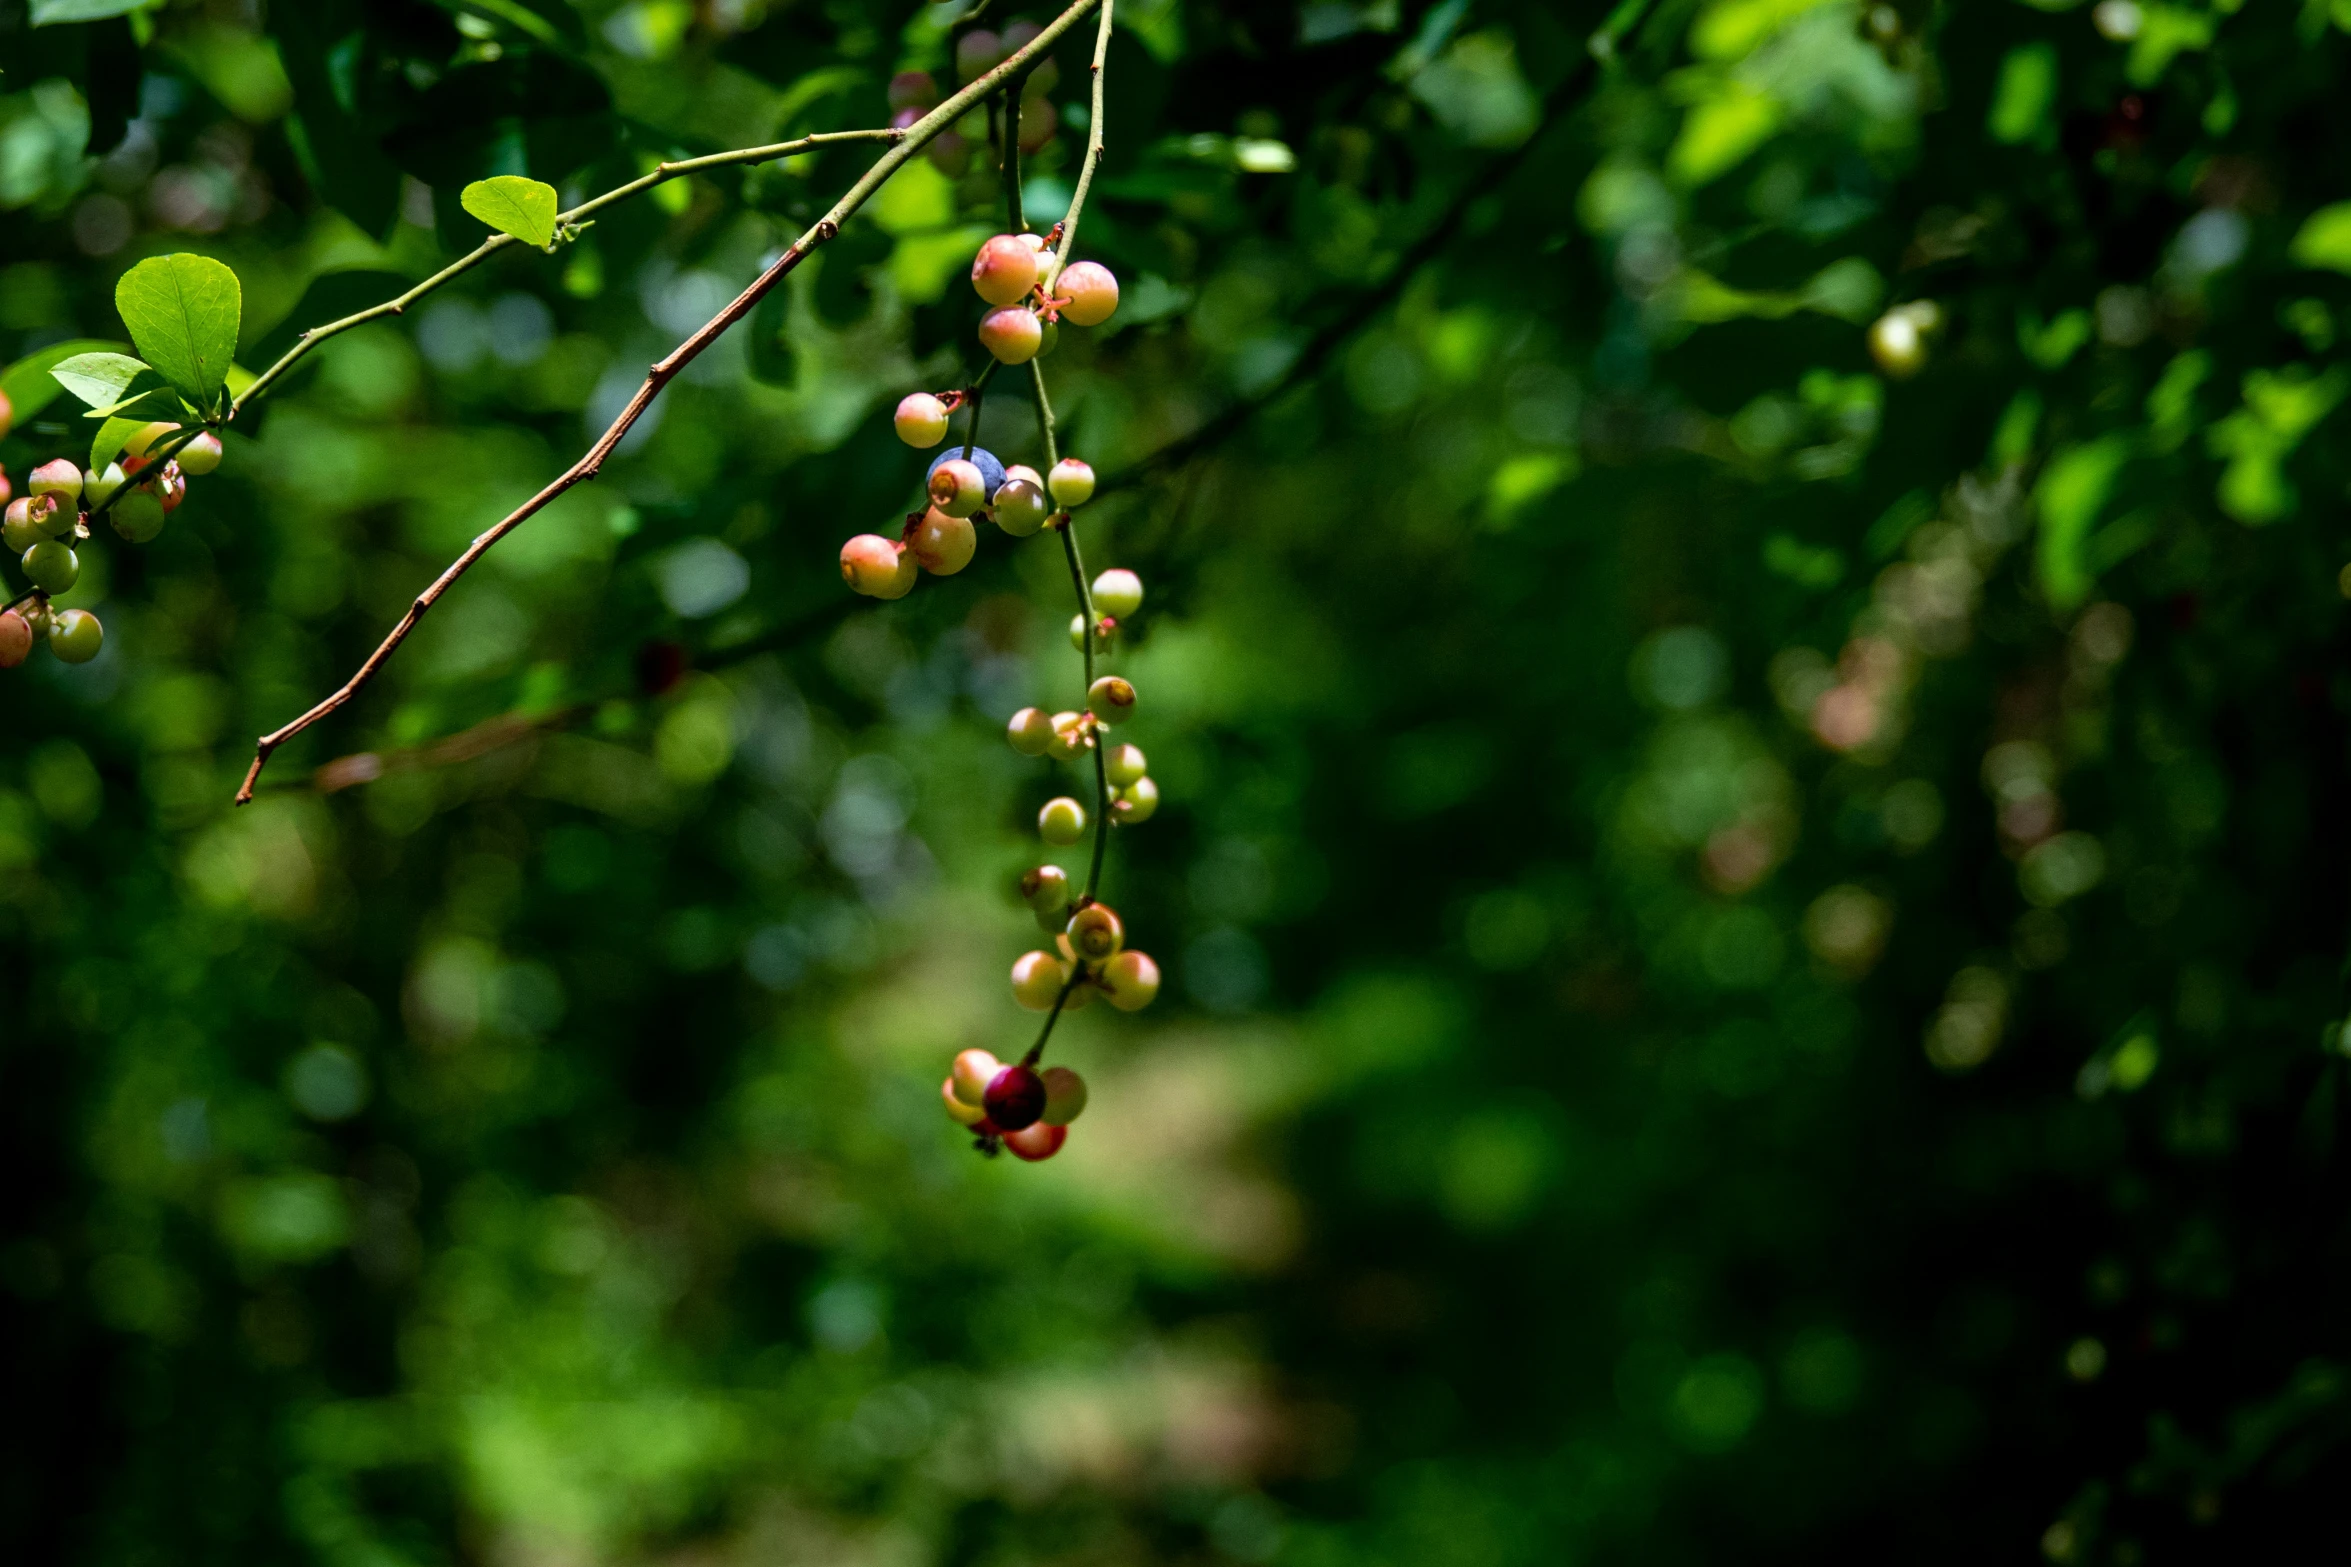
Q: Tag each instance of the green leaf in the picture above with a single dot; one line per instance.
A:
(98, 379)
(2073, 488)
(28, 384)
(48, 13)
(119, 428)
(514, 205)
(183, 312)
(2325, 239)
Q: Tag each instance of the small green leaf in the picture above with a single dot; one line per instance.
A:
(30, 387)
(98, 379)
(183, 312)
(112, 434)
(48, 13)
(2325, 239)
(514, 205)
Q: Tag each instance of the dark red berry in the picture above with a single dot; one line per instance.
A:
(1016, 1098)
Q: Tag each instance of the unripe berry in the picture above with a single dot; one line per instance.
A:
(1105, 631)
(1031, 731)
(941, 544)
(958, 488)
(60, 479)
(143, 439)
(1124, 765)
(76, 636)
(1130, 980)
(138, 516)
(877, 567)
(1095, 932)
(52, 566)
(977, 53)
(1135, 804)
(26, 522)
(963, 1114)
(1021, 506)
(98, 487)
(7, 489)
(1016, 1097)
(1118, 592)
(170, 486)
(16, 639)
(1071, 481)
(973, 1071)
(1111, 699)
(913, 90)
(7, 420)
(1036, 1143)
(1062, 822)
(1065, 1096)
(1089, 292)
(1021, 470)
(1038, 122)
(921, 420)
(1012, 334)
(1897, 339)
(1046, 889)
(201, 455)
(949, 151)
(1071, 735)
(1037, 978)
(1005, 270)
(992, 472)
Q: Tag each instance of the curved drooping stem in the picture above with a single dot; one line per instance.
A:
(911, 141)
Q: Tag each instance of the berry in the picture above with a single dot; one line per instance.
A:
(963, 1114)
(1897, 339)
(77, 636)
(16, 639)
(201, 455)
(949, 151)
(1048, 336)
(1016, 1098)
(1072, 733)
(877, 567)
(1012, 334)
(52, 566)
(1005, 270)
(1118, 592)
(913, 90)
(1065, 1096)
(1105, 630)
(26, 522)
(7, 490)
(992, 472)
(1130, 980)
(1095, 932)
(1124, 765)
(1037, 978)
(957, 487)
(1089, 293)
(1046, 889)
(143, 439)
(1111, 699)
(170, 486)
(941, 544)
(1021, 506)
(921, 420)
(61, 479)
(98, 488)
(1062, 822)
(1071, 481)
(7, 415)
(1037, 1143)
(973, 1071)
(1135, 804)
(1031, 731)
(977, 53)
(1038, 122)
(138, 516)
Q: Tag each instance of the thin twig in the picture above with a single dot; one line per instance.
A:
(916, 137)
(1077, 200)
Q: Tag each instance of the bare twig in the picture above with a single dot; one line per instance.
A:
(915, 138)
(1077, 201)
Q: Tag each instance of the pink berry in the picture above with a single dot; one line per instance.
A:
(913, 90)
(16, 639)
(877, 567)
(1016, 1098)
(958, 488)
(1065, 1096)
(1031, 731)
(921, 420)
(942, 545)
(963, 1114)
(1036, 1143)
(973, 1071)
(1038, 122)
(1111, 699)
(1005, 270)
(1130, 980)
(977, 53)
(7, 489)
(1090, 292)
(1013, 334)
(1037, 978)
(949, 151)
(60, 479)
(1095, 932)
(169, 486)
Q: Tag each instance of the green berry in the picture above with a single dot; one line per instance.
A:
(1118, 593)
(1071, 482)
(1062, 822)
(1111, 699)
(1124, 765)
(1105, 630)
(201, 455)
(1021, 507)
(1095, 932)
(1037, 978)
(1031, 731)
(1065, 1096)
(972, 1072)
(1046, 889)
(1072, 734)
(138, 516)
(961, 1113)
(921, 420)
(52, 566)
(98, 487)
(26, 522)
(1135, 804)
(76, 636)
(1130, 980)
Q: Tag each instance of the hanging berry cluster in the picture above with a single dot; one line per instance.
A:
(1030, 293)
(44, 527)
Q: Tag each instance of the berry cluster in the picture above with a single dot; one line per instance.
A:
(43, 526)
(914, 94)
(1017, 1106)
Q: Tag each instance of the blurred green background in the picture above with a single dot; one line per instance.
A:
(1749, 686)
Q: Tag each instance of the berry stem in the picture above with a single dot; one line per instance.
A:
(1077, 201)
(1068, 528)
(971, 397)
(1036, 1051)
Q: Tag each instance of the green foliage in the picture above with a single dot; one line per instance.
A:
(524, 208)
(183, 312)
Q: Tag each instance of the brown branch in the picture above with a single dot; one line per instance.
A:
(917, 136)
